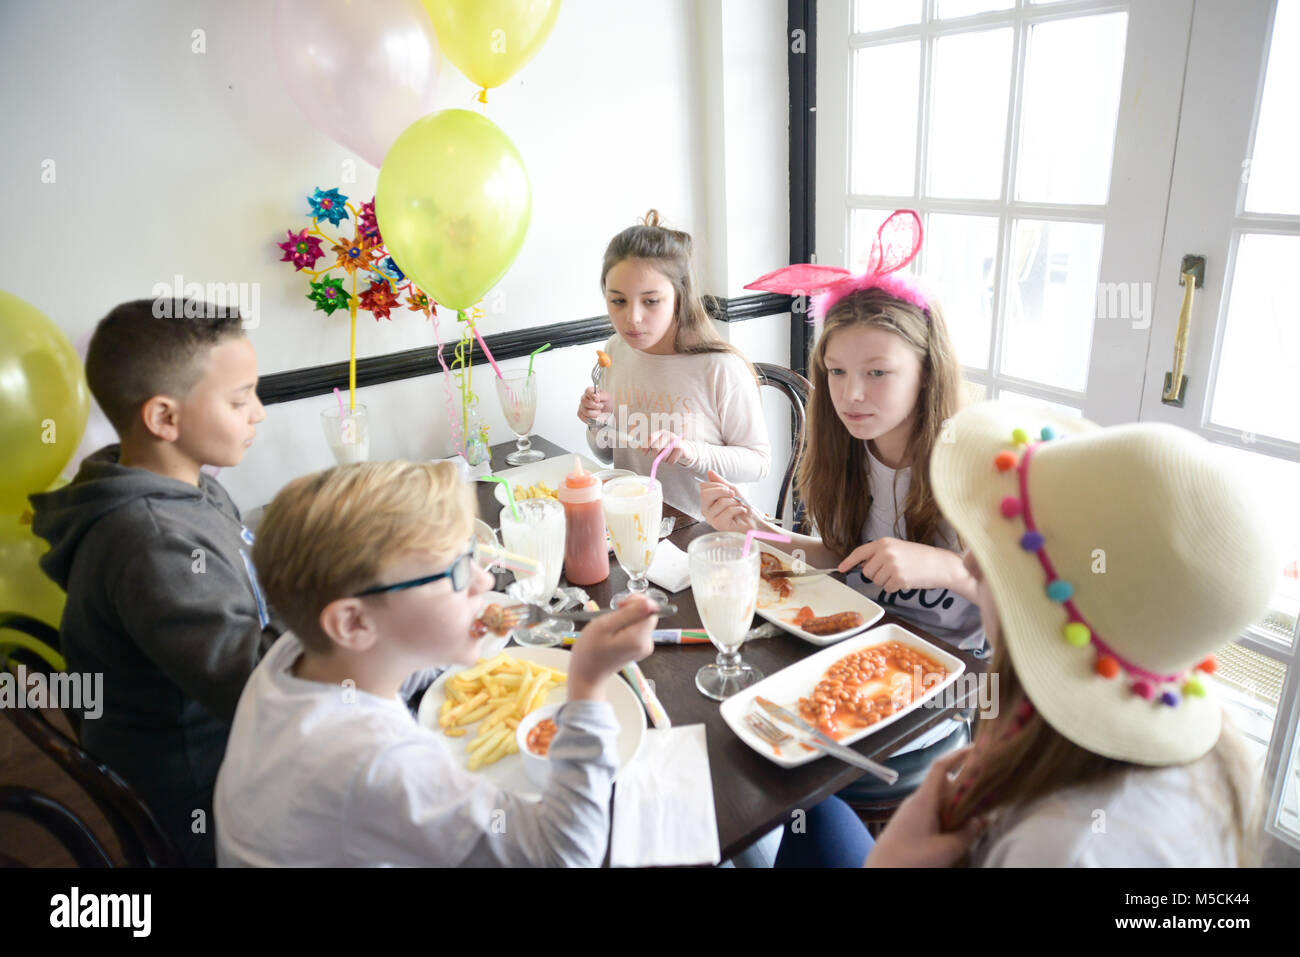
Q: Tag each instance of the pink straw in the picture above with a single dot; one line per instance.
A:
(487, 352)
(339, 395)
(754, 533)
(654, 466)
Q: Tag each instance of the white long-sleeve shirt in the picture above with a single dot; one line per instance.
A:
(316, 775)
(710, 399)
(1156, 817)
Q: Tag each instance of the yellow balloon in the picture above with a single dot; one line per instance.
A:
(453, 205)
(44, 401)
(23, 586)
(490, 40)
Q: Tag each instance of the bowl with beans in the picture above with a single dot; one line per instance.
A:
(534, 736)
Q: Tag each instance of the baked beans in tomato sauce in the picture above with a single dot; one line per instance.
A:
(867, 686)
(539, 738)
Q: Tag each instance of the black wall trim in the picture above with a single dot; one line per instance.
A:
(802, 16)
(321, 380)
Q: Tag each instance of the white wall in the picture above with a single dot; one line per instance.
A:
(168, 161)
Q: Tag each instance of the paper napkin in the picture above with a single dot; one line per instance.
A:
(663, 803)
(670, 570)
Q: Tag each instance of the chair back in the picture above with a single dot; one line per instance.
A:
(144, 843)
(795, 388)
(68, 829)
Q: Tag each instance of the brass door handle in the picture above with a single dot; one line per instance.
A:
(1193, 276)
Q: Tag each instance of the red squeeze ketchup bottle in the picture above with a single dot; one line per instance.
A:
(586, 555)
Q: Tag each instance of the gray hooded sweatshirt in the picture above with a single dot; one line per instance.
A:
(164, 602)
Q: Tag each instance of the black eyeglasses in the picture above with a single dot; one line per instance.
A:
(458, 571)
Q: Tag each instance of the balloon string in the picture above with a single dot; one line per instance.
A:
(453, 422)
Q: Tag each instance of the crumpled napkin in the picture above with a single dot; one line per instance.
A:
(670, 569)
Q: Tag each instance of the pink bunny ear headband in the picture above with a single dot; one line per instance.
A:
(896, 244)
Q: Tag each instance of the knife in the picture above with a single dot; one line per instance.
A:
(829, 744)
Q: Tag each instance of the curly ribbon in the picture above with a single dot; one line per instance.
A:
(453, 420)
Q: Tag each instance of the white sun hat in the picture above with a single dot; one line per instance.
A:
(1120, 560)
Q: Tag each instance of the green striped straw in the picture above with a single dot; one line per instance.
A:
(510, 494)
(532, 355)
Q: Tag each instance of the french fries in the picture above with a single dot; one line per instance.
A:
(540, 490)
(499, 692)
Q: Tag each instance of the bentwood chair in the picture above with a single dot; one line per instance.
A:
(795, 388)
(55, 818)
(36, 645)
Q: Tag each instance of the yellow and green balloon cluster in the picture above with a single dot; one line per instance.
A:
(44, 402)
(453, 200)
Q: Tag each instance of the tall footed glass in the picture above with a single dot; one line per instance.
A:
(538, 534)
(725, 583)
(518, 394)
(634, 507)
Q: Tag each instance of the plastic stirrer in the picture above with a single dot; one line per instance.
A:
(510, 494)
(339, 395)
(654, 466)
(754, 533)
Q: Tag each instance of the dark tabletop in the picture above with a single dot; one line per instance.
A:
(750, 793)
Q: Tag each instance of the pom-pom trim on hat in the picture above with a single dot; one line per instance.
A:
(1077, 631)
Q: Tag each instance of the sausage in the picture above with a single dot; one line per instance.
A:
(830, 624)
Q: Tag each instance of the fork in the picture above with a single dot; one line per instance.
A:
(766, 730)
(597, 379)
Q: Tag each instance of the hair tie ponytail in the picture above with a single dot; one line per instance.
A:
(651, 219)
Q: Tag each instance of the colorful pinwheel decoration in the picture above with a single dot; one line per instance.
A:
(384, 287)
(361, 256)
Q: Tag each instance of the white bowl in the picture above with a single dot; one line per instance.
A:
(536, 767)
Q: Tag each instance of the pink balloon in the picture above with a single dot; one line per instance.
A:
(361, 71)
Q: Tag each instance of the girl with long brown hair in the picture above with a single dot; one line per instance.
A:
(884, 380)
(672, 380)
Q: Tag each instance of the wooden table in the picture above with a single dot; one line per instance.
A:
(751, 794)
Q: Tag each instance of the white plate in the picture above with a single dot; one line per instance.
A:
(508, 774)
(788, 685)
(824, 595)
(551, 471)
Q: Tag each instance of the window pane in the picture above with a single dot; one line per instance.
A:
(973, 393)
(1259, 363)
(1277, 482)
(883, 154)
(1051, 300)
(968, 118)
(871, 15)
(863, 226)
(1288, 812)
(1274, 186)
(1071, 101)
(1024, 399)
(950, 9)
(960, 254)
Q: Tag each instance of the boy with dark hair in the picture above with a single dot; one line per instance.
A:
(162, 595)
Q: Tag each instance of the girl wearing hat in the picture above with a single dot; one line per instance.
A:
(1110, 565)
(884, 379)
